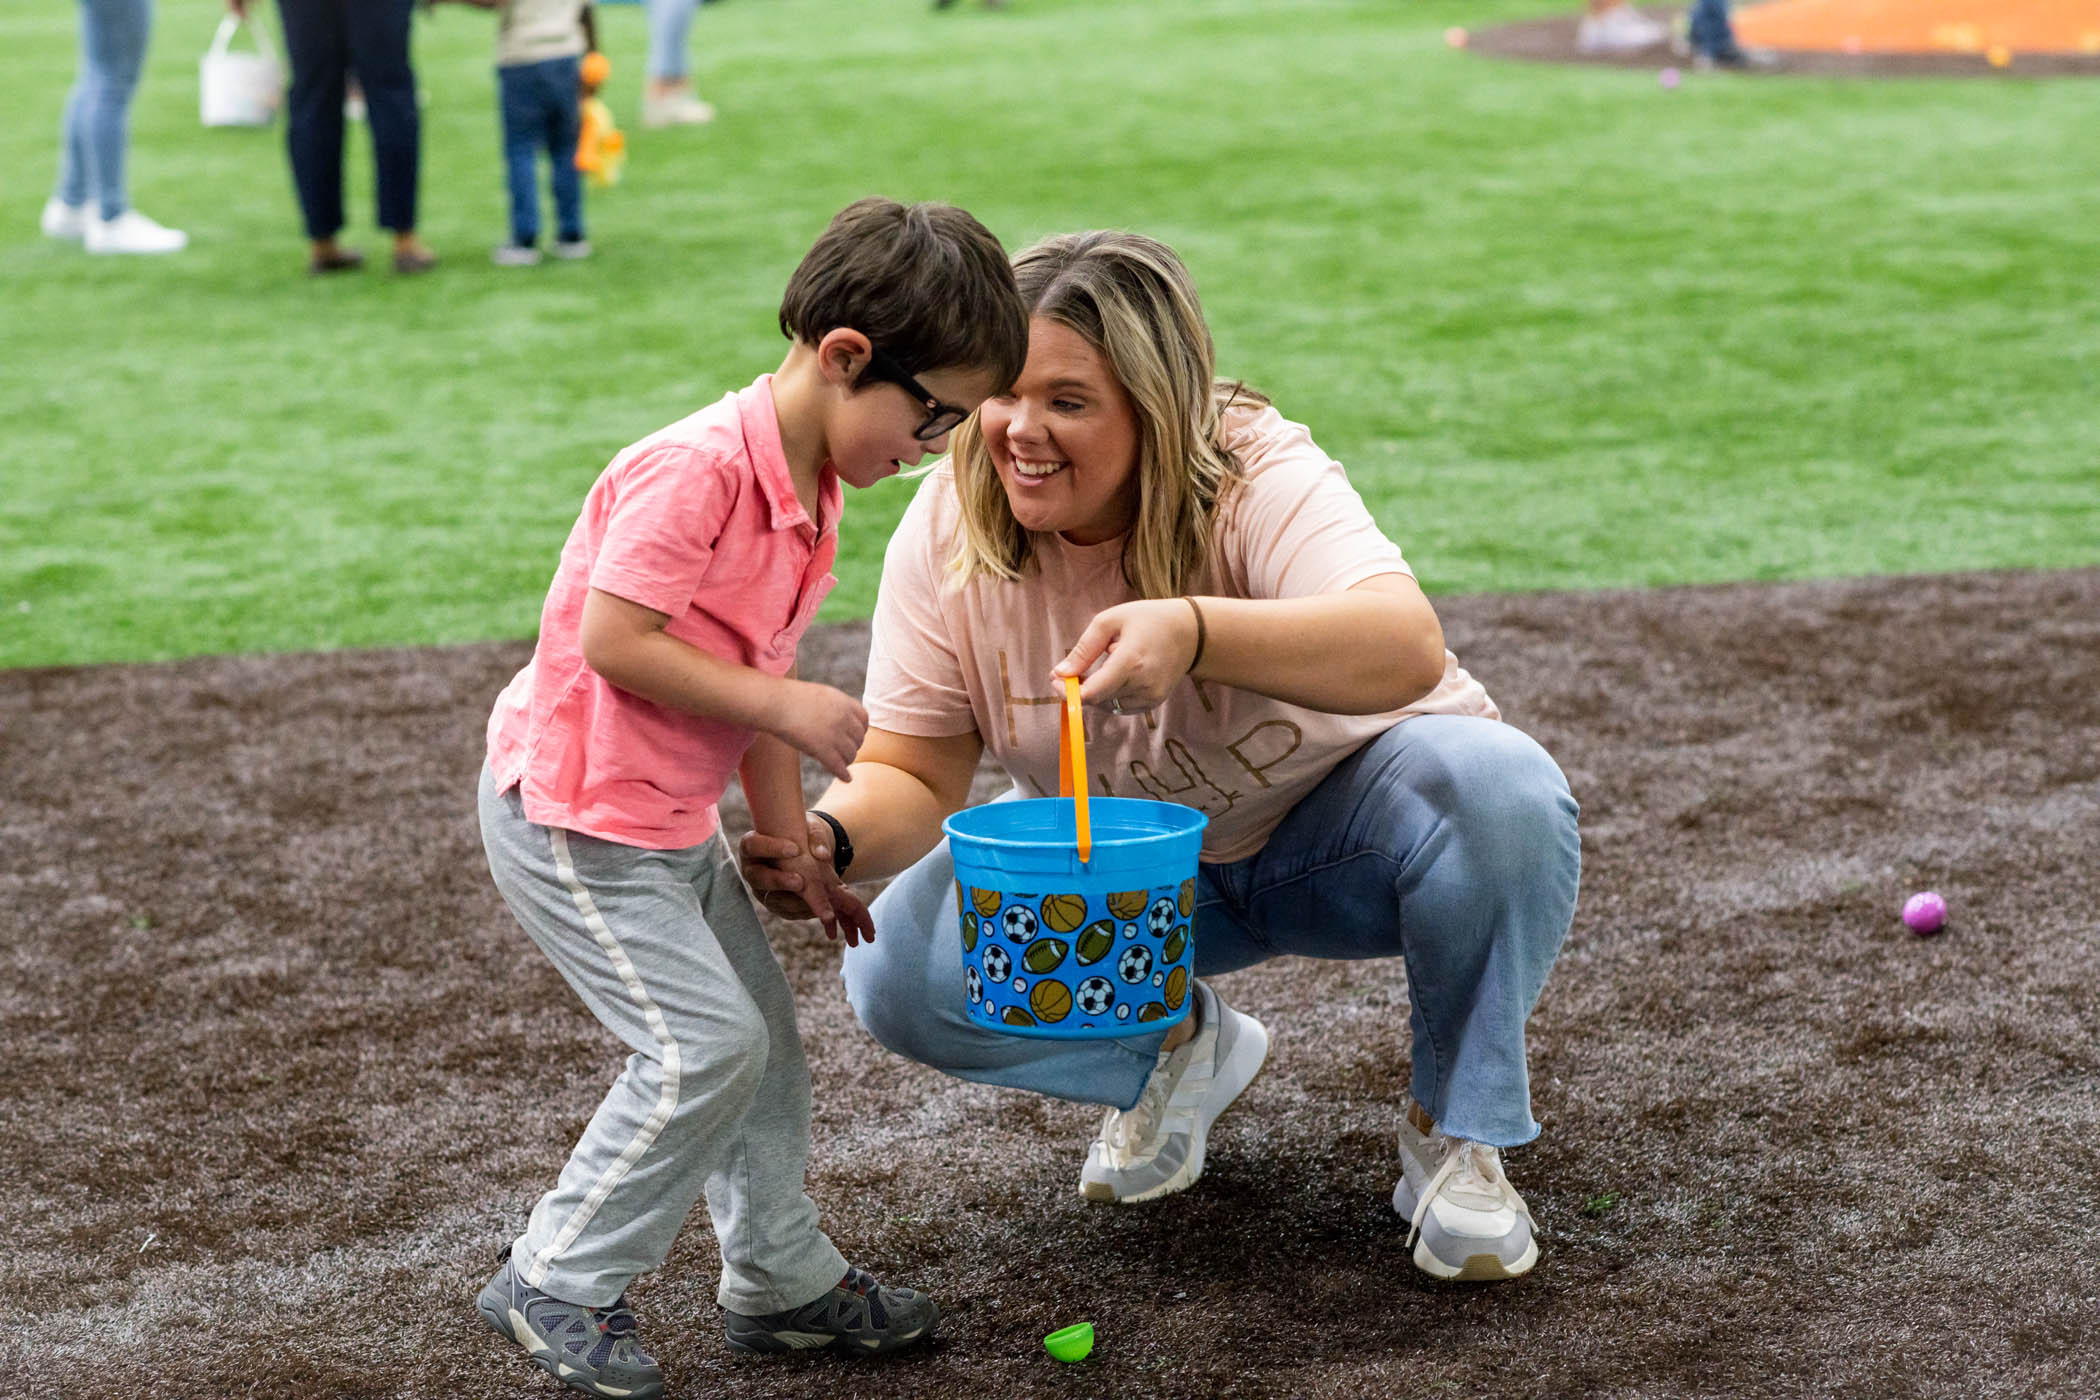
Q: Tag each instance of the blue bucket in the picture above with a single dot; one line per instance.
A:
(1067, 949)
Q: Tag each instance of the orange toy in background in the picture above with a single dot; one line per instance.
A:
(600, 148)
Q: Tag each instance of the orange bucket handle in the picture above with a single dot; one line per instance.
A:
(1071, 767)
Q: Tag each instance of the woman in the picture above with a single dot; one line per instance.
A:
(1253, 646)
(327, 40)
(92, 205)
(669, 99)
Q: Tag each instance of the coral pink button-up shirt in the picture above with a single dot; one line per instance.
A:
(700, 522)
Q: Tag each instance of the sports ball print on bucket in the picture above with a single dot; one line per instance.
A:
(1076, 912)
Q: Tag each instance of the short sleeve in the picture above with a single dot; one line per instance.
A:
(915, 674)
(1296, 527)
(659, 516)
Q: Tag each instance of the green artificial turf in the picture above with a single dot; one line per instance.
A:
(1567, 329)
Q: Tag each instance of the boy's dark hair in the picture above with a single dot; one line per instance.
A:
(926, 283)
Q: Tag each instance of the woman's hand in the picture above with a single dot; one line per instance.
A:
(1144, 649)
(798, 884)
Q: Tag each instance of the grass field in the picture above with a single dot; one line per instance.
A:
(1566, 329)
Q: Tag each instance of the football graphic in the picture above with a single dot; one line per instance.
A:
(1127, 905)
(1064, 912)
(1044, 955)
(1177, 987)
(969, 930)
(1018, 923)
(998, 963)
(1096, 941)
(1096, 995)
(960, 902)
(1176, 942)
(1050, 1001)
(1015, 1016)
(1188, 897)
(1151, 1011)
(1134, 966)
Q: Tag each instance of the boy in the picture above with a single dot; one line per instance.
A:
(665, 660)
(540, 46)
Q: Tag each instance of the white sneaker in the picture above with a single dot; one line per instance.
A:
(133, 232)
(676, 109)
(514, 255)
(1156, 1148)
(1465, 1221)
(1620, 29)
(572, 249)
(63, 220)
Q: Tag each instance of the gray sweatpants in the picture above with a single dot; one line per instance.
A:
(666, 949)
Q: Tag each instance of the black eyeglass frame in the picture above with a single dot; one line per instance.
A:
(941, 418)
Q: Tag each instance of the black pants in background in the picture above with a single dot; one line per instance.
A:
(326, 40)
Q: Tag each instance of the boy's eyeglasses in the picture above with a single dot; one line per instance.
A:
(940, 417)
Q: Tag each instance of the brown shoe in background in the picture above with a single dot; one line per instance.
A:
(414, 259)
(333, 259)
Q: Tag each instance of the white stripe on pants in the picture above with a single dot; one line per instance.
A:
(665, 948)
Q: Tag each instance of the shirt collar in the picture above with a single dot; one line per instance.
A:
(761, 424)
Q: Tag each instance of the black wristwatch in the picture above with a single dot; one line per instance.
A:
(841, 843)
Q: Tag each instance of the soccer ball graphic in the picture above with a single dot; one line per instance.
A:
(974, 983)
(1160, 917)
(1019, 923)
(998, 963)
(1136, 963)
(1096, 995)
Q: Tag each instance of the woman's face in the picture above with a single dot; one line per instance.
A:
(1065, 440)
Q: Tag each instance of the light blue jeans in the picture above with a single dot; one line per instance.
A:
(668, 22)
(1448, 842)
(96, 133)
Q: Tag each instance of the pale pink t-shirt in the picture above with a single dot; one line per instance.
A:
(949, 657)
(698, 521)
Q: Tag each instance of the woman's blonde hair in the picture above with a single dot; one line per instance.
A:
(1130, 298)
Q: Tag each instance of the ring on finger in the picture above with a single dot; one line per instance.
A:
(1115, 705)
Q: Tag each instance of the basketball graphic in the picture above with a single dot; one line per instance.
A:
(987, 901)
(1151, 1011)
(969, 932)
(960, 904)
(1050, 1001)
(1177, 987)
(1096, 941)
(1127, 905)
(1188, 898)
(1176, 942)
(1015, 1016)
(1018, 923)
(1064, 912)
(1042, 956)
(1096, 995)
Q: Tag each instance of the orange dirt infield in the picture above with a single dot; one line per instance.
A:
(2000, 29)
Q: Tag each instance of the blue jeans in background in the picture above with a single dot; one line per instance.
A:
(97, 129)
(542, 110)
(1448, 842)
(668, 22)
(1711, 33)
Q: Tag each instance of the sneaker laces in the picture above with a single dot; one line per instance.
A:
(1123, 1130)
(1472, 1167)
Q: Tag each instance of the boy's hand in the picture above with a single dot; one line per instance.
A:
(824, 723)
(828, 901)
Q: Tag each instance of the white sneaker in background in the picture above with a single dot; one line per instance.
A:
(676, 109)
(133, 232)
(1620, 29)
(1465, 1221)
(514, 255)
(63, 220)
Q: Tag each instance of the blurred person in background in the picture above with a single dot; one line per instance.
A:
(325, 40)
(1615, 27)
(92, 205)
(669, 99)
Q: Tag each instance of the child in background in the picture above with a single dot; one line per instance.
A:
(665, 662)
(540, 46)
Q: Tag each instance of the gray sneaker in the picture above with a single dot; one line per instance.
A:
(860, 1316)
(1155, 1147)
(1465, 1221)
(593, 1350)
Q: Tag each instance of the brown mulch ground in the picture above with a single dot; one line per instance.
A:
(1552, 40)
(281, 1075)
